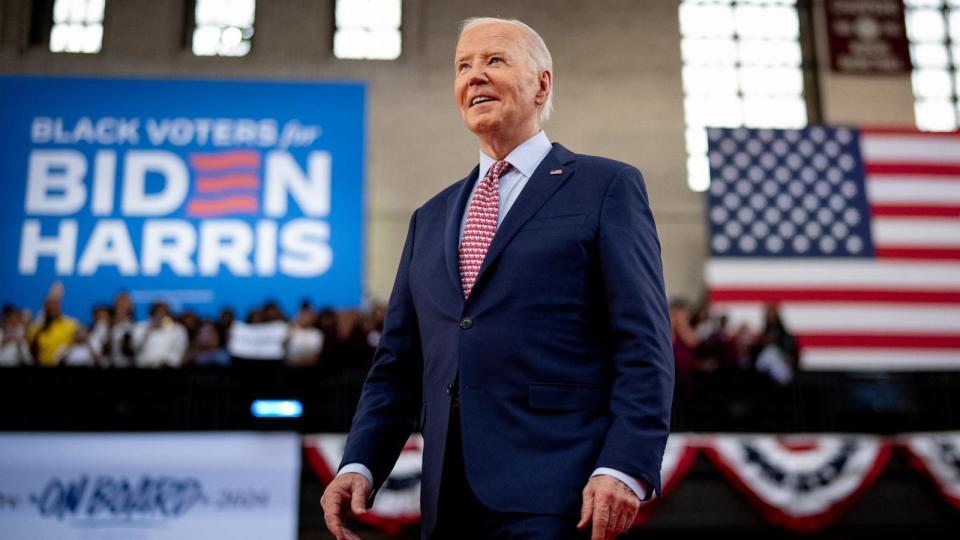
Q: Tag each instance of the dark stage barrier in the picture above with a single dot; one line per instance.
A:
(901, 502)
(89, 399)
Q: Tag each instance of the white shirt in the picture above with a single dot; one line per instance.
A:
(524, 160)
(303, 345)
(160, 346)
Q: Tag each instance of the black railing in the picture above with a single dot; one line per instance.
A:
(88, 399)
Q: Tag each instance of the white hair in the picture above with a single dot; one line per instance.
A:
(540, 58)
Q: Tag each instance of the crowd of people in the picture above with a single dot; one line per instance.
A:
(114, 337)
(704, 343)
(728, 371)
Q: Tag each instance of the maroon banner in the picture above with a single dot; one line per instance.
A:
(867, 37)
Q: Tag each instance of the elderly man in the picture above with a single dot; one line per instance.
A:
(527, 333)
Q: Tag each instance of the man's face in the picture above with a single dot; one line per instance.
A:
(496, 89)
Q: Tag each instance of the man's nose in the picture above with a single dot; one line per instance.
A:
(477, 75)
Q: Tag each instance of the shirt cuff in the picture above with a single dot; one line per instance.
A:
(359, 468)
(637, 485)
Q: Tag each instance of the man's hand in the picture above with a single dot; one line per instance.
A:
(610, 505)
(352, 488)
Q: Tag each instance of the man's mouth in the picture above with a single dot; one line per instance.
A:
(481, 99)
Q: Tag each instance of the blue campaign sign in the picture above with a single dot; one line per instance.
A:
(205, 194)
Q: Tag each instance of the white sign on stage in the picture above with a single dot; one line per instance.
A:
(149, 486)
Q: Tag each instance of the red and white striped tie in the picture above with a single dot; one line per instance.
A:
(481, 225)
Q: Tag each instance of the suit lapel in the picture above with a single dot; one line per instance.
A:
(456, 206)
(544, 183)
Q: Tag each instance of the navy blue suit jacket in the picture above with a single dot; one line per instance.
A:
(562, 353)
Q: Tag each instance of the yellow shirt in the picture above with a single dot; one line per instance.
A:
(52, 340)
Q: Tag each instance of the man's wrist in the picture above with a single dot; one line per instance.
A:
(637, 485)
(358, 468)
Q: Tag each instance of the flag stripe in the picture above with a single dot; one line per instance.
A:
(827, 317)
(879, 359)
(906, 252)
(899, 150)
(909, 192)
(760, 273)
(835, 295)
(893, 130)
(880, 170)
(881, 340)
(890, 210)
(898, 231)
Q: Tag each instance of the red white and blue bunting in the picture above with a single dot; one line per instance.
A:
(801, 483)
(678, 457)
(938, 456)
(398, 502)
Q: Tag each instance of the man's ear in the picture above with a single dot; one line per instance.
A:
(544, 88)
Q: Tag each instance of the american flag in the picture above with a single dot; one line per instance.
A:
(854, 232)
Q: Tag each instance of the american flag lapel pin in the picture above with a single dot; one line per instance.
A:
(556, 172)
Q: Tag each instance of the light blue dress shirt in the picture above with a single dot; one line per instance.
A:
(524, 160)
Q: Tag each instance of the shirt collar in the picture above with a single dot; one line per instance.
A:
(524, 158)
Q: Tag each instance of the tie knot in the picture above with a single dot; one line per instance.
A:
(498, 168)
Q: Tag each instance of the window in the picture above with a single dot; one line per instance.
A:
(367, 29)
(77, 26)
(223, 27)
(742, 66)
(933, 28)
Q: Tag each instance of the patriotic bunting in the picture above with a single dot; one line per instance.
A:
(938, 456)
(678, 457)
(801, 483)
(397, 504)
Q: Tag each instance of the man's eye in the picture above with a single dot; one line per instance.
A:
(463, 67)
(495, 60)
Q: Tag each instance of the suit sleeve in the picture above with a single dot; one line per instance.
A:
(390, 400)
(639, 331)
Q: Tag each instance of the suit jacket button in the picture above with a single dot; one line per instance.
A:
(466, 323)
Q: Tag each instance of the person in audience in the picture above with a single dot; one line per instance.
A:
(100, 327)
(118, 348)
(703, 321)
(744, 338)
(159, 341)
(348, 350)
(223, 323)
(777, 348)
(718, 349)
(272, 312)
(326, 322)
(304, 341)
(208, 349)
(80, 353)
(191, 323)
(306, 306)
(255, 316)
(685, 342)
(52, 331)
(259, 341)
(14, 348)
(373, 323)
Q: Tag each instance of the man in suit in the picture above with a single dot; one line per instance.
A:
(527, 333)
